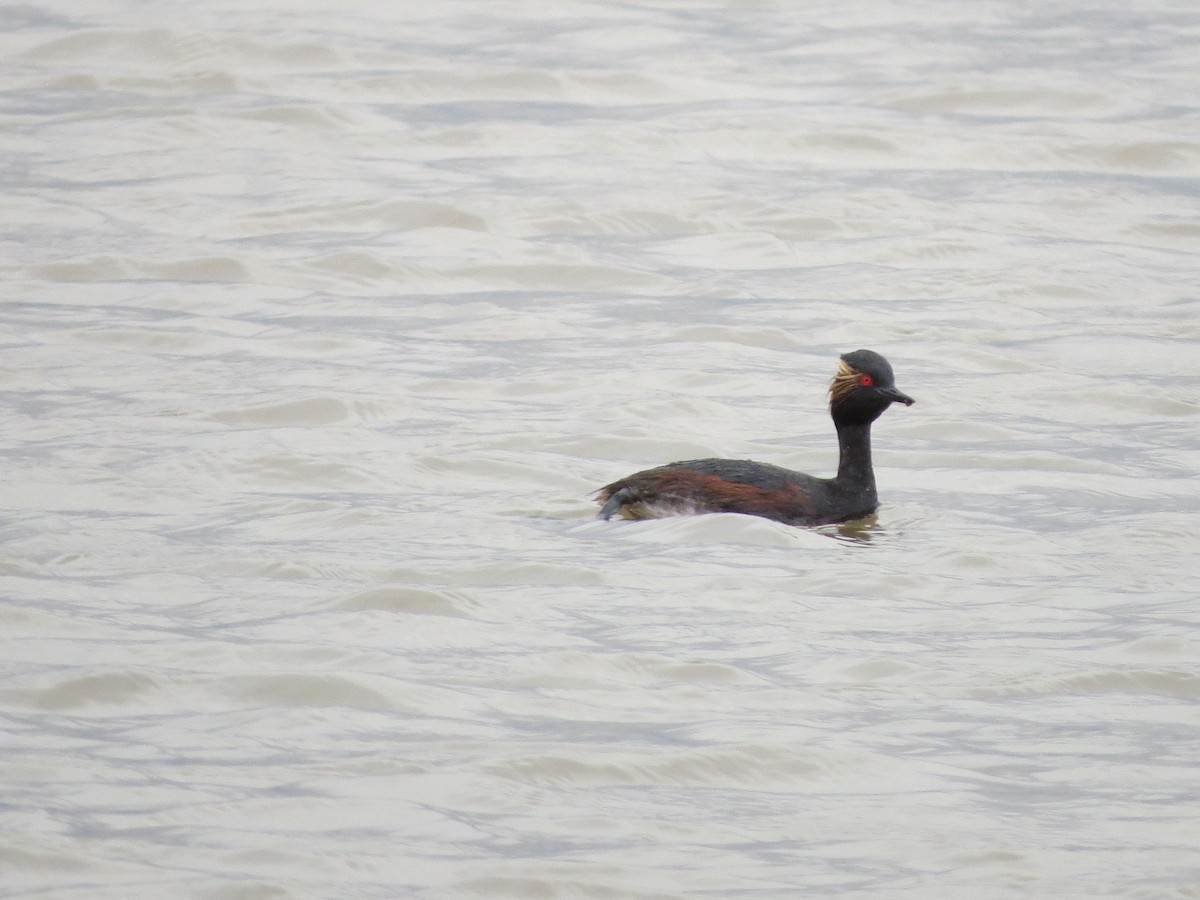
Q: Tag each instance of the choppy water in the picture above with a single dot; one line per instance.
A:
(320, 323)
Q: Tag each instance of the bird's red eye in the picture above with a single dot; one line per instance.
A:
(865, 380)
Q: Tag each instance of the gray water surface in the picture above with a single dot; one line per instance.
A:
(320, 325)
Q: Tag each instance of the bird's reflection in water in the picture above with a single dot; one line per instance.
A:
(858, 531)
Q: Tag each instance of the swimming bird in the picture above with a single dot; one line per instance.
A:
(862, 389)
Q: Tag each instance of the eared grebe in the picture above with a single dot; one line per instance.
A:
(859, 393)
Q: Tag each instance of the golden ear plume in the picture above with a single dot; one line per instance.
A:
(843, 382)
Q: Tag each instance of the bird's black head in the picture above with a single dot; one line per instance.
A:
(863, 388)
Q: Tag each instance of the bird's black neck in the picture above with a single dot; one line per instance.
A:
(854, 457)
